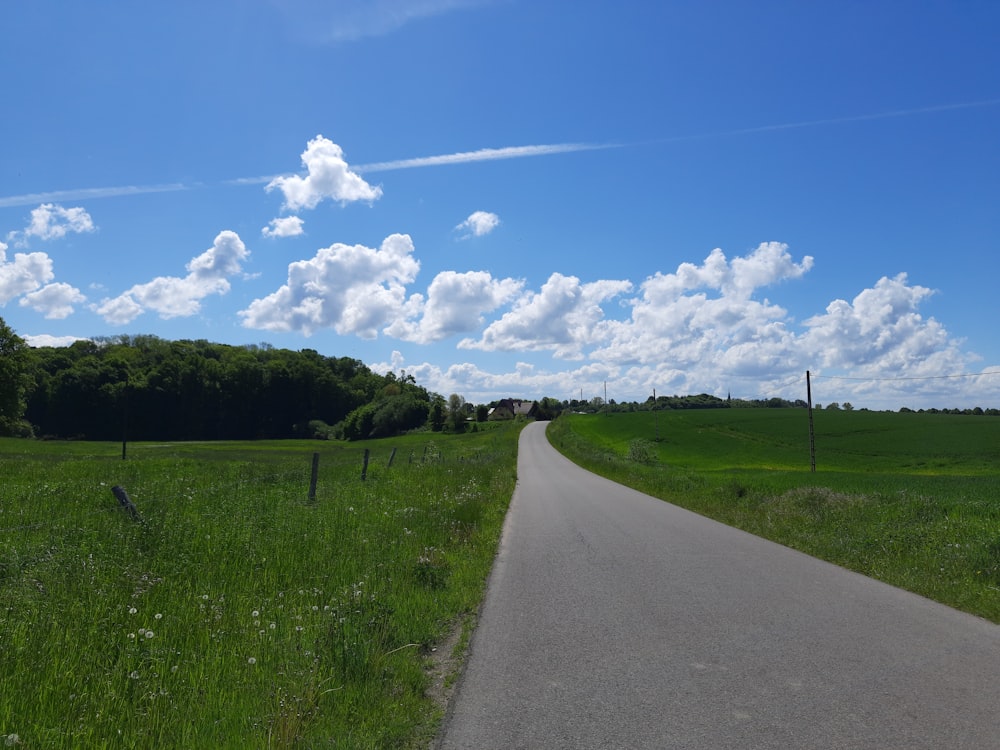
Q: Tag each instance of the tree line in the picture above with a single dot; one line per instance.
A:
(147, 388)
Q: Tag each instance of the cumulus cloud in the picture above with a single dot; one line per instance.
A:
(26, 273)
(45, 339)
(51, 221)
(456, 303)
(478, 224)
(55, 301)
(707, 313)
(881, 332)
(174, 296)
(327, 176)
(352, 289)
(564, 316)
(289, 226)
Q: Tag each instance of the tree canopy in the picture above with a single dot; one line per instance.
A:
(152, 389)
(15, 378)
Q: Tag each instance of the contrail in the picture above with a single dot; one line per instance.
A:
(483, 154)
(90, 194)
(827, 121)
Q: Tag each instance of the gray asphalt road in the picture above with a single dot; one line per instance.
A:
(614, 620)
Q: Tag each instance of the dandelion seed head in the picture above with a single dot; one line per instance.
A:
(158, 616)
(149, 634)
(132, 610)
(255, 613)
(251, 661)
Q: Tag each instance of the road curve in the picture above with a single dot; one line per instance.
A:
(615, 620)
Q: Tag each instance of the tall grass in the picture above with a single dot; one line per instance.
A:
(237, 613)
(911, 499)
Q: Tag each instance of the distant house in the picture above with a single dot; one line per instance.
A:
(509, 408)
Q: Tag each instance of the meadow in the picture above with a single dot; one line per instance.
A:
(237, 612)
(912, 499)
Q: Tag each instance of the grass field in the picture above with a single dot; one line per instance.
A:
(238, 613)
(912, 499)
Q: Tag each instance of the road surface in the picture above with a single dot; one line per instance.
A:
(615, 620)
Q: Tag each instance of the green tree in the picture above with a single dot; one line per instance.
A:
(456, 413)
(15, 378)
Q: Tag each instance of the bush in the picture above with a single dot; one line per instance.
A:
(641, 451)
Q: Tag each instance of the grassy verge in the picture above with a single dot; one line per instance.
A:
(237, 613)
(910, 499)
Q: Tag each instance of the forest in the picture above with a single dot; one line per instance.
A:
(147, 388)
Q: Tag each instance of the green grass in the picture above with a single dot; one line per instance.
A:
(911, 499)
(238, 613)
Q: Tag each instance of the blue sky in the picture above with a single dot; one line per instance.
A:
(517, 198)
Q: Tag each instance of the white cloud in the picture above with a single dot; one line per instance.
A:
(328, 176)
(478, 224)
(173, 296)
(289, 226)
(351, 289)
(51, 221)
(55, 301)
(525, 380)
(26, 273)
(881, 333)
(704, 317)
(44, 339)
(564, 316)
(455, 304)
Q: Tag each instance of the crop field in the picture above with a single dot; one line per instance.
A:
(233, 610)
(912, 499)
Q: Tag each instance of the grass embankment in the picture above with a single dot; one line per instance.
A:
(911, 499)
(238, 613)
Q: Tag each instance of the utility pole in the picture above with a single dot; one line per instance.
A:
(656, 422)
(812, 434)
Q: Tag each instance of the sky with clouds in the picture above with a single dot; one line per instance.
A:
(513, 198)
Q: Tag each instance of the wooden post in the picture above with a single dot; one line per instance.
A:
(126, 502)
(313, 477)
(364, 467)
(812, 434)
(391, 457)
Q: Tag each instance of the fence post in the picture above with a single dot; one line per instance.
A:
(313, 477)
(391, 457)
(364, 467)
(124, 501)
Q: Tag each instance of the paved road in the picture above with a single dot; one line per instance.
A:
(614, 620)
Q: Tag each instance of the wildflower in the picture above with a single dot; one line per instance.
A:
(142, 631)
(12, 739)
(131, 636)
(149, 634)
(132, 610)
(251, 661)
(134, 674)
(255, 614)
(273, 625)
(173, 669)
(158, 616)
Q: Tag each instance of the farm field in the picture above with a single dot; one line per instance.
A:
(912, 499)
(236, 612)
